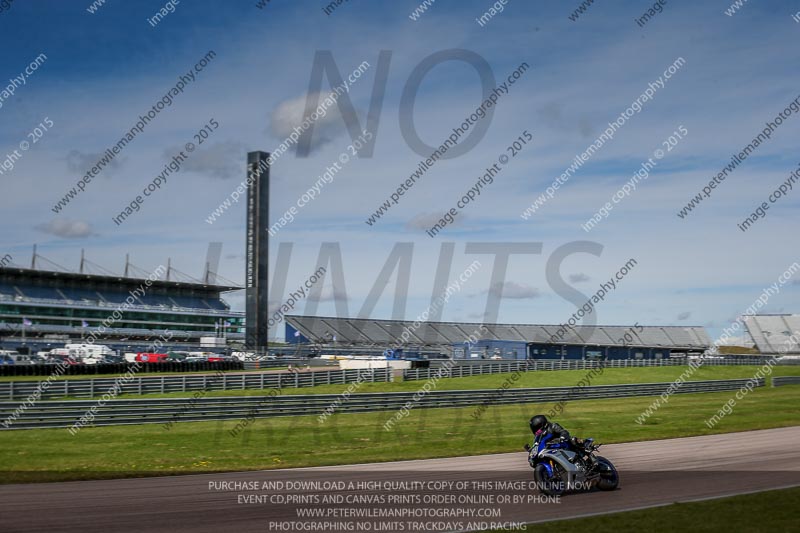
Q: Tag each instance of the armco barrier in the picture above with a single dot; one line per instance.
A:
(119, 412)
(284, 362)
(785, 380)
(117, 368)
(467, 367)
(89, 388)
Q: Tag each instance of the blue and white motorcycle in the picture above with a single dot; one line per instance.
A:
(561, 465)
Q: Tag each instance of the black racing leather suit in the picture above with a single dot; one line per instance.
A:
(558, 432)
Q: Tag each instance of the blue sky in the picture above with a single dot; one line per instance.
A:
(104, 69)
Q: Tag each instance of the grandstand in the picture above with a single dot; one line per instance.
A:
(516, 341)
(775, 334)
(47, 307)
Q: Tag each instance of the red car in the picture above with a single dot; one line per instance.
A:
(151, 357)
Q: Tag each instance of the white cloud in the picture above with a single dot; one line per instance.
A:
(224, 160)
(80, 162)
(288, 115)
(425, 221)
(514, 291)
(66, 228)
(328, 294)
(580, 277)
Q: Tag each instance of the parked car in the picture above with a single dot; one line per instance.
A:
(177, 357)
(151, 357)
(13, 358)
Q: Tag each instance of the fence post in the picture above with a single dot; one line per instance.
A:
(91, 388)
(224, 381)
(297, 380)
(66, 387)
(184, 383)
(313, 379)
(162, 384)
(262, 381)
(11, 390)
(243, 380)
(140, 385)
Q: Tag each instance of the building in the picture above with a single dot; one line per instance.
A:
(508, 341)
(48, 308)
(775, 334)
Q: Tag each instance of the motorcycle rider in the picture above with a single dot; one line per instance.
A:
(541, 427)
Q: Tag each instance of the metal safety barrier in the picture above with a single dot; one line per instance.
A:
(166, 410)
(284, 362)
(778, 381)
(468, 368)
(110, 369)
(90, 388)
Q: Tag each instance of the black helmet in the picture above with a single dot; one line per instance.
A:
(538, 422)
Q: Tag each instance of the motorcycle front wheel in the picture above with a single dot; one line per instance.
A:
(609, 478)
(549, 485)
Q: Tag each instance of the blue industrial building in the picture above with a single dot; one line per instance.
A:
(502, 349)
(498, 341)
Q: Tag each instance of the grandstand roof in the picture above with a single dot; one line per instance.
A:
(28, 274)
(388, 332)
(772, 333)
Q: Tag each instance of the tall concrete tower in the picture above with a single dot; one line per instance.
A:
(257, 250)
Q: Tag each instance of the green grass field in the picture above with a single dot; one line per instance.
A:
(558, 378)
(762, 512)
(142, 450)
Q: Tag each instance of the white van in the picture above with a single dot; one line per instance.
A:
(89, 354)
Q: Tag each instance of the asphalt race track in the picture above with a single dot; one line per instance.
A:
(452, 494)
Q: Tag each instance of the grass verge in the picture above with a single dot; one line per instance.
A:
(195, 447)
(765, 512)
